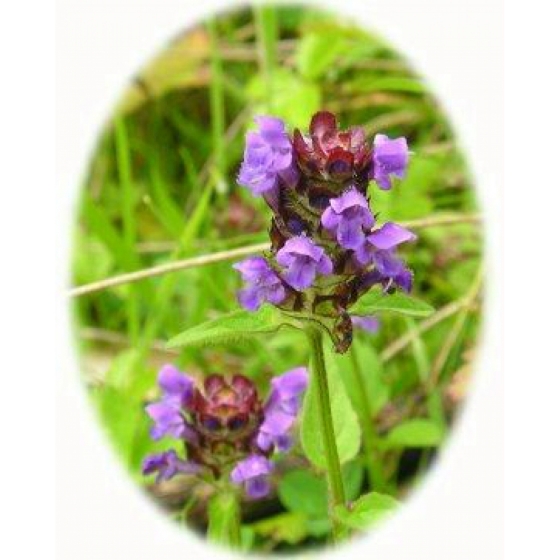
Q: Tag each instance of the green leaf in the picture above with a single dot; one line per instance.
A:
(346, 426)
(375, 301)
(316, 53)
(233, 327)
(286, 527)
(224, 519)
(419, 432)
(371, 370)
(294, 99)
(367, 511)
(303, 492)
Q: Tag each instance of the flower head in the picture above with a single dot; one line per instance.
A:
(268, 157)
(323, 253)
(262, 284)
(389, 158)
(304, 260)
(346, 217)
(167, 465)
(223, 423)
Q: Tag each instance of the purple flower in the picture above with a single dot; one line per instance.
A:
(167, 465)
(346, 217)
(176, 386)
(384, 239)
(369, 323)
(168, 420)
(268, 157)
(287, 388)
(178, 390)
(389, 271)
(378, 249)
(252, 473)
(281, 409)
(274, 431)
(304, 261)
(262, 284)
(389, 158)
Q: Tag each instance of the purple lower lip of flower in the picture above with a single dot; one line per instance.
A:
(176, 386)
(369, 323)
(252, 473)
(275, 429)
(167, 465)
(390, 272)
(346, 218)
(262, 284)
(304, 260)
(287, 389)
(389, 158)
(281, 409)
(386, 238)
(292, 383)
(168, 421)
(268, 157)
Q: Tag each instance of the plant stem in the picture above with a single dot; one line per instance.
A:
(334, 471)
(224, 520)
(365, 415)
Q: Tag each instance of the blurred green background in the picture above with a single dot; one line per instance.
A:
(161, 186)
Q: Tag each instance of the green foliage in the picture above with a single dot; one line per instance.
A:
(292, 97)
(375, 301)
(376, 388)
(233, 327)
(287, 527)
(367, 511)
(346, 425)
(317, 52)
(304, 493)
(415, 433)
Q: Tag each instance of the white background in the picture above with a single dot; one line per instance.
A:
(457, 45)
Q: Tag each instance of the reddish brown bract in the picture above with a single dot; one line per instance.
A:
(331, 154)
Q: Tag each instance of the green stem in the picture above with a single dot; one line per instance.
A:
(224, 519)
(334, 471)
(365, 415)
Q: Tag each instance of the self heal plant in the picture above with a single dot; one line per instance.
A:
(227, 433)
(331, 266)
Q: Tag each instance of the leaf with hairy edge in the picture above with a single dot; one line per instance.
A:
(376, 301)
(346, 426)
(367, 511)
(233, 327)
